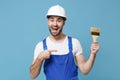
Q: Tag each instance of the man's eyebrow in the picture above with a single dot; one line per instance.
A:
(60, 18)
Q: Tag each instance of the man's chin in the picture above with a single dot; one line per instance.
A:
(54, 35)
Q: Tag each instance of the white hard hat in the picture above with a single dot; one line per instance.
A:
(56, 10)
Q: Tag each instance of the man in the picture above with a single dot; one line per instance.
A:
(61, 55)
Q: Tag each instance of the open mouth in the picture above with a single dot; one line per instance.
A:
(54, 29)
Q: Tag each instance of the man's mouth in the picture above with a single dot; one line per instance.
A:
(54, 29)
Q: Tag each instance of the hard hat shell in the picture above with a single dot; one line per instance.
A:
(56, 10)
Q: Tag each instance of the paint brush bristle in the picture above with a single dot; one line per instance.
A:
(95, 33)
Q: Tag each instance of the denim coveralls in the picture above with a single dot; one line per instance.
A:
(61, 67)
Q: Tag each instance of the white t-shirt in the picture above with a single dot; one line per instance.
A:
(62, 47)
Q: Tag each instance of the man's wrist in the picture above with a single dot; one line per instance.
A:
(40, 57)
(92, 54)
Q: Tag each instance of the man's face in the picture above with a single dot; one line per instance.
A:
(55, 24)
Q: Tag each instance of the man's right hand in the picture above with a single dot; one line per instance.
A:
(46, 54)
(37, 63)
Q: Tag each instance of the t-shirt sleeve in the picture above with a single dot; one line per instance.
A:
(77, 48)
(38, 49)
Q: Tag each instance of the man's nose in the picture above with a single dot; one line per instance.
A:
(55, 23)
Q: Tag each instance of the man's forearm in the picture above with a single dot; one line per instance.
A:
(35, 68)
(89, 63)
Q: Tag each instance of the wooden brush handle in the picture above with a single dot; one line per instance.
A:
(95, 38)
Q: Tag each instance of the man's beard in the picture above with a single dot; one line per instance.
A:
(56, 33)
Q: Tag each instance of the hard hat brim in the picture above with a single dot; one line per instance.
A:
(48, 16)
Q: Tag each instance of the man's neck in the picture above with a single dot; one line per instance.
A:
(58, 38)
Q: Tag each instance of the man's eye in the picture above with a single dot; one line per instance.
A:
(59, 20)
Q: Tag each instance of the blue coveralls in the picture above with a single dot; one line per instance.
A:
(61, 67)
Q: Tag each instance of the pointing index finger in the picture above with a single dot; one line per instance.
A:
(52, 51)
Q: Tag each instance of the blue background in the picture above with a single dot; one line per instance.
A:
(23, 25)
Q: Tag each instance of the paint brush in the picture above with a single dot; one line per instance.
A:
(95, 33)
